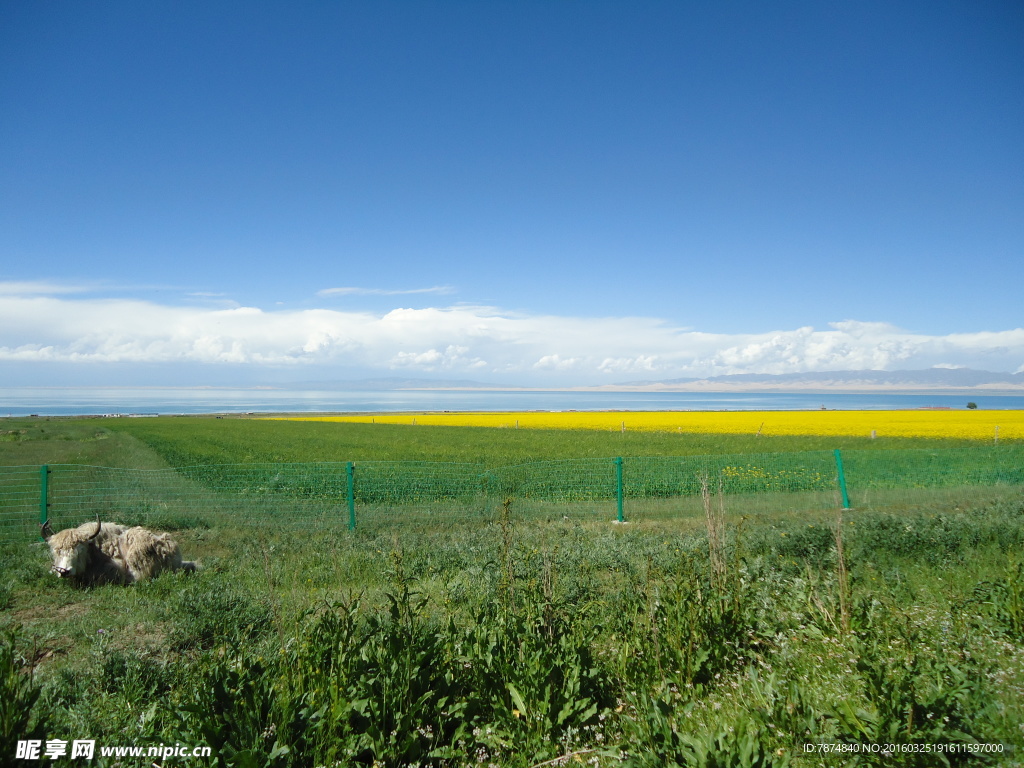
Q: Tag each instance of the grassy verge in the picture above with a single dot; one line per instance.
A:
(510, 644)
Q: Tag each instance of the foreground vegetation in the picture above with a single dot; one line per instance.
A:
(702, 639)
(512, 645)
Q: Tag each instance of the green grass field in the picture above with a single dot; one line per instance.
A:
(702, 636)
(181, 441)
(238, 469)
(204, 440)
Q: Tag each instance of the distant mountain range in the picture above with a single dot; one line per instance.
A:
(388, 383)
(930, 379)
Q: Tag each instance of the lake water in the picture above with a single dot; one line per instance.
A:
(88, 401)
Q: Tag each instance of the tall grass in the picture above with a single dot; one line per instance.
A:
(517, 645)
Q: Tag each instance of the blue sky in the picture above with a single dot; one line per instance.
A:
(527, 193)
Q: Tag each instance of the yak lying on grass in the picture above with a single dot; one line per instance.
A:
(108, 553)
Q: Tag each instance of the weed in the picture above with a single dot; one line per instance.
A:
(1004, 600)
(135, 676)
(21, 716)
(664, 739)
(913, 697)
(229, 706)
(208, 612)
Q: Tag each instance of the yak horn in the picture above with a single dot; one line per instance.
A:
(98, 526)
(46, 531)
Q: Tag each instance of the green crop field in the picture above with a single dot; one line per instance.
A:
(204, 440)
(710, 638)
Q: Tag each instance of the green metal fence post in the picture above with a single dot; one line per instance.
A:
(618, 487)
(44, 494)
(350, 470)
(842, 479)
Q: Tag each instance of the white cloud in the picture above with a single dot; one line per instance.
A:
(556, 363)
(452, 358)
(58, 328)
(32, 288)
(629, 364)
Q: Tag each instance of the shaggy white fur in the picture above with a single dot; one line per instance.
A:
(108, 553)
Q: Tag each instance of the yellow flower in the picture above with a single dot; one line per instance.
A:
(975, 425)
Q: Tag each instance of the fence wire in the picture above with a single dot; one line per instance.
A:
(916, 477)
(20, 494)
(336, 493)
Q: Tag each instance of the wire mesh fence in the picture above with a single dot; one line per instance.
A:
(21, 492)
(346, 494)
(925, 477)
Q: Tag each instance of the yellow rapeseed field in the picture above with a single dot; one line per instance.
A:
(976, 425)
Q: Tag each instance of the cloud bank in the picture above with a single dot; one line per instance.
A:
(488, 343)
